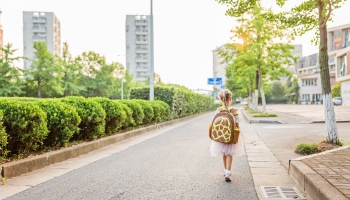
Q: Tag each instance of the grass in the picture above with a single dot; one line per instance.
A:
(307, 149)
(265, 115)
(258, 113)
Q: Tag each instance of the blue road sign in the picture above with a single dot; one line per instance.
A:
(223, 87)
(218, 81)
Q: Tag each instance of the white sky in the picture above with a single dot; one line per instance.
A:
(185, 31)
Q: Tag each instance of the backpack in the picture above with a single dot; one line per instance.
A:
(224, 128)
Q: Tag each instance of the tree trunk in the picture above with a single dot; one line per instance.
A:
(39, 89)
(256, 93)
(250, 100)
(330, 122)
(262, 92)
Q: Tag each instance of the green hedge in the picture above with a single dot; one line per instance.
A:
(115, 115)
(25, 124)
(164, 112)
(3, 137)
(182, 102)
(62, 122)
(137, 110)
(147, 110)
(92, 116)
(129, 122)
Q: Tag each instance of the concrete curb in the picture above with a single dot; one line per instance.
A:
(311, 182)
(253, 121)
(322, 122)
(17, 168)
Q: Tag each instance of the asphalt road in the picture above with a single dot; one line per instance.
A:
(173, 165)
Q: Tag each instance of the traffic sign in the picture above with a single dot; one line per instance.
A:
(218, 81)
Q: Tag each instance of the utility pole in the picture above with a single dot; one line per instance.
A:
(151, 77)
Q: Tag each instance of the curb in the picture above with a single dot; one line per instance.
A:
(322, 122)
(17, 168)
(254, 121)
(311, 182)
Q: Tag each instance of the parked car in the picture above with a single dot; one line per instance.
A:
(336, 101)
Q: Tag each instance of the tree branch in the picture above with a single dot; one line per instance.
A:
(328, 15)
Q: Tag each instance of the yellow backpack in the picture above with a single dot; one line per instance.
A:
(224, 127)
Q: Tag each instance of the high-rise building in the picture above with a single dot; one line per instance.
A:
(138, 46)
(1, 35)
(40, 26)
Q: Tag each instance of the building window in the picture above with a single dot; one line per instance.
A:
(347, 38)
(316, 97)
(309, 82)
(331, 67)
(127, 28)
(306, 97)
(342, 66)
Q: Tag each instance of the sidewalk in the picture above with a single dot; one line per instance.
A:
(271, 179)
(325, 175)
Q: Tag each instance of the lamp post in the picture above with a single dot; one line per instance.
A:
(151, 77)
(122, 78)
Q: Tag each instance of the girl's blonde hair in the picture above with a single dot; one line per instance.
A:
(225, 95)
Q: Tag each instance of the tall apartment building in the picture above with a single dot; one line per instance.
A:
(339, 60)
(1, 35)
(40, 26)
(138, 46)
(296, 52)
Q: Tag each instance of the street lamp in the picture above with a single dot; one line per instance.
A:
(151, 77)
(121, 76)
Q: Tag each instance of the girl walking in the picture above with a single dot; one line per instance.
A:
(227, 151)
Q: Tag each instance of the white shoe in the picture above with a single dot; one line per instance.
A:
(227, 176)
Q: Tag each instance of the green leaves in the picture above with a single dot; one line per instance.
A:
(43, 72)
(10, 82)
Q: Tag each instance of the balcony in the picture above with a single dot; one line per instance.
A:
(141, 59)
(142, 68)
(39, 29)
(141, 41)
(39, 19)
(141, 22)
(39, 38)
(141, 50)
(141, 31)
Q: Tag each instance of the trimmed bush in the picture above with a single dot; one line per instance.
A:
(147, 110)
(62, 122)
(129, 122)
(26, 125)
(115, 114)
(92, 125)
(137, 111)
(165, 112)
(182, 102)
(3, 138)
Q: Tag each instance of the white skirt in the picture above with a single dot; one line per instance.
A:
(219, 149)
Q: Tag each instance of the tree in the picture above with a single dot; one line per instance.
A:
(10, 82)
(70, 73)
(98, 76)
(336, 90)
(264, 53)
(292, 89)
(309, 15)
(277, 90)
(314, 15)
(43, 72)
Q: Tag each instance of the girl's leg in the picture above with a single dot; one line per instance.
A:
(228, 163)
(224, 160)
